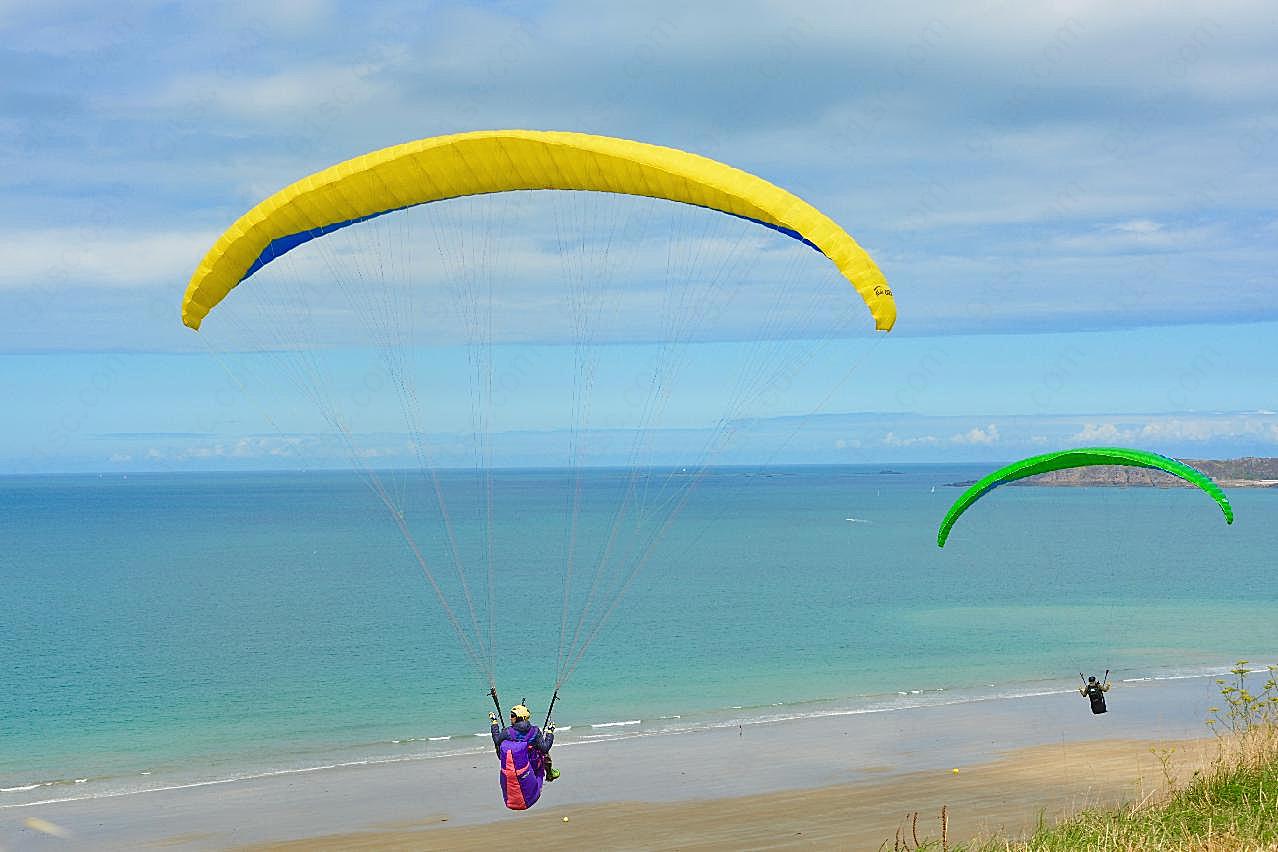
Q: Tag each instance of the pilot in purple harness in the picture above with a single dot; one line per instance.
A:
(523, 750)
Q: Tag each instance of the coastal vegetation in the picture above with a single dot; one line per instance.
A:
(1232, 805)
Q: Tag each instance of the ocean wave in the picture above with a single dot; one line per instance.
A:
(209, 782)
(1191, 674)
(36, 785)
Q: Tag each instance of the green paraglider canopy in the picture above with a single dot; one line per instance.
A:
(1083, 457)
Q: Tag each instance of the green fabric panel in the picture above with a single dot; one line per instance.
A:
(1082, 457)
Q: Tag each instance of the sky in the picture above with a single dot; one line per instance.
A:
(1074, 204)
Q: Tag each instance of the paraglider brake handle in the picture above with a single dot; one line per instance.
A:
(496, 703)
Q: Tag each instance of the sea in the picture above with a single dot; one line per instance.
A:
(162, 630)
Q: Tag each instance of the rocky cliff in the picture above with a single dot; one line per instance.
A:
(1228, 473)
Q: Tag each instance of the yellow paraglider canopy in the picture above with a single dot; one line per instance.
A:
(481, 162)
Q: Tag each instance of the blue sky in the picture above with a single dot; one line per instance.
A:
(1074, 204)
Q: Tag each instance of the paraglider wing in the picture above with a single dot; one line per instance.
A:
(465, 164)
(1080, 458)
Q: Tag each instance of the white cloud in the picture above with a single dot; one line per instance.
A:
(1186, 430)
(1243, 79)
(99, 257)
(1163, 430)
(246, 448)
(1136, 226)
(1139, 235)
(284, 17)
(956, 142)
(891, 439)
(1101, 433)
(278, 96)
(1202, 429)
(977, 435)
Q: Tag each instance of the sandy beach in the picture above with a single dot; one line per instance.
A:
(840, 780)
(1006, 796)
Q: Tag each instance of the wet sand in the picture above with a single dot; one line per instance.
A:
(844, 779)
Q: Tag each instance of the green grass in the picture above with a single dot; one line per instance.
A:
(1233, 805)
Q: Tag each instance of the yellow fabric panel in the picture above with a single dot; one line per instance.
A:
(504, 160)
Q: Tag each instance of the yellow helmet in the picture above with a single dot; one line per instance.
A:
(519, 713)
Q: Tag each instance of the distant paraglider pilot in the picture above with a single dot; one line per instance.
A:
(1094, 691)
(523, 750)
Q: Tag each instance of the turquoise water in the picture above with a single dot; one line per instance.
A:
(171, 629)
